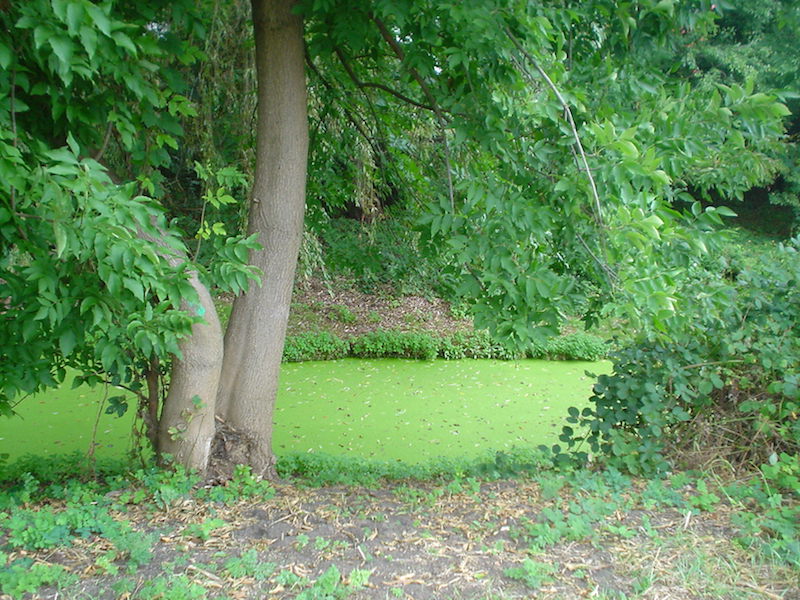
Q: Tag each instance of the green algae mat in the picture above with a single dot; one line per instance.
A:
(388, 409)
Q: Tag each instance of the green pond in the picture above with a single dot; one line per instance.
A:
(388, 409)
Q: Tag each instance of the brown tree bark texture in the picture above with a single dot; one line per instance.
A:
(257, 328)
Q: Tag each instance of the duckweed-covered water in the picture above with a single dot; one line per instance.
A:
(390, 409)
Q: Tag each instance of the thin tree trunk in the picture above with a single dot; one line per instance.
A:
(186, 426)
(257, 329)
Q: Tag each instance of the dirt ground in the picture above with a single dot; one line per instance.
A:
(427, 541)
(319, 306)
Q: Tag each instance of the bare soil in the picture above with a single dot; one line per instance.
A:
(427, 541)
(343, 310)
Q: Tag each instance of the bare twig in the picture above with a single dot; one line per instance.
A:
(106, 139)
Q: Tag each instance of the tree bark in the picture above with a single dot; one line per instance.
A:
(186, 427)
(257, 328)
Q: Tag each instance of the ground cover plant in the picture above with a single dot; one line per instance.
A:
(509, 527)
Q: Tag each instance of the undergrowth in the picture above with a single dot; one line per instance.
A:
(575, 505)
(428, 346)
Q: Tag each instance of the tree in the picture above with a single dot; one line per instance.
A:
(256, 332)
(547, 197)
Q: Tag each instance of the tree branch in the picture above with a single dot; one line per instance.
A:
(570, 120)
(362, 84)
(389, 38)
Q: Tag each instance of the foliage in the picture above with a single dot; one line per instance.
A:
(726, 379)
(242, 485)
(752, 42)
(325, 469)
(22, 576)
(381, 254)
(573, 346)
(395, 344)
(426, 346)
(249, 565)
(532, 573)
(314, 346)
(92, 274)
(329, 585)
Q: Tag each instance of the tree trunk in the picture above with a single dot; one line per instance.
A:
(257, 329)
(186, 426)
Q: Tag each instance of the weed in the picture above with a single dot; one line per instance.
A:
(202, 531)
(23, 576)
(242, 485)
(342, 314)
(172, 587)
(249, 565)
(533, 574)
(321, 544)
(704, 500)
(314, 346)
(330, 585)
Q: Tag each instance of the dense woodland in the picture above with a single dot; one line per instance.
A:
(628, 167)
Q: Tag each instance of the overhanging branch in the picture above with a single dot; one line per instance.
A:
(398, 51)
(570, 120)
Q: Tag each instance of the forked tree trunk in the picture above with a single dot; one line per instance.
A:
(257, 328)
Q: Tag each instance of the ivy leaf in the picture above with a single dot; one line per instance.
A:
(117, 405)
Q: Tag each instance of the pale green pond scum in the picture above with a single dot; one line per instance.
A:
(389, 409)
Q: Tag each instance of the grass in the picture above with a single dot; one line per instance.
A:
(392, 409)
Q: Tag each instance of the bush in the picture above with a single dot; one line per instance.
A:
(395, 344)
(314, 346)
(725, 385)
(576, 346)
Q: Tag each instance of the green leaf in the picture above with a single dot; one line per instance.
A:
(60, 8)
(123, 41)
(61, 238)
(88, 37)
(135, 287)
(725, 211)
(67, 342)
(74, 17)
(73, 144)
(5, 56)
(63, 49)
(99, 17)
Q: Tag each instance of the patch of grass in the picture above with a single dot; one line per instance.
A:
(342, 314)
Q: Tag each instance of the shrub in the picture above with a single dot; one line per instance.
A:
(726, 383)
(576, 346)
(314, 346)
(395, 344)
